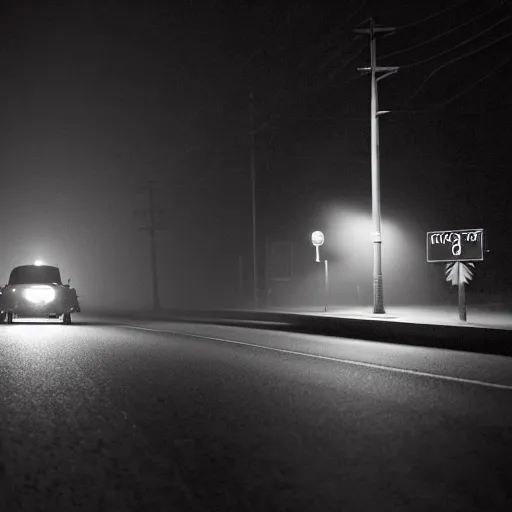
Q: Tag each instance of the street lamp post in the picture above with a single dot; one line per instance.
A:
(378, 289)
(317, 239)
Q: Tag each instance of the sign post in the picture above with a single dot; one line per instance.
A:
(459, 249)
(462, 294)
(327, 293)
(317, 239)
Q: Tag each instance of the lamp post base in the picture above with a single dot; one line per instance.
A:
(378, 295)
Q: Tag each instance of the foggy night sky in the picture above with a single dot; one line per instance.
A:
(99, 96)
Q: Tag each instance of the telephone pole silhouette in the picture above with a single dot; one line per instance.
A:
(253, 199)
(151, 226)
(372, 31)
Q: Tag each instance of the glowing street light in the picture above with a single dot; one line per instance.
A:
(38, 263)
(317, 239)
(348, 227)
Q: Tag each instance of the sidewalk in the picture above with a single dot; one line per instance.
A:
(487, 330)
(477, 316)
(481, 317)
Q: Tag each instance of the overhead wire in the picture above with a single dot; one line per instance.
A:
(431, 16)
(464, 91)
(456, 59)
(328, 39)
(305, 89)
(281, 117)
(348, 61)
(458, 45)
(475, 84)
(443, 34)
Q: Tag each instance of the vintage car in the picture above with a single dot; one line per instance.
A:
(36, 291)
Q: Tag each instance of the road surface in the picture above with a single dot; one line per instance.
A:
(102, 416)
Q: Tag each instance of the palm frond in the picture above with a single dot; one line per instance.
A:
(467, 273)
(452, 272)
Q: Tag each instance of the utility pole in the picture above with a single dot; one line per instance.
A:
(253, 194)
(151, 225)
(378, 291)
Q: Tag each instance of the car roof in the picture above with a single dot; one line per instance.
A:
(35, 274)
(37, 266)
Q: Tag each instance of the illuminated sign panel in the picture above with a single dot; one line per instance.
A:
(455, 245)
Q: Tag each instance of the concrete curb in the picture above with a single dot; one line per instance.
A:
(462, 338)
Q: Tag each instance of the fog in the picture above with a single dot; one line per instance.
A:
(98, 100)
(348, 247)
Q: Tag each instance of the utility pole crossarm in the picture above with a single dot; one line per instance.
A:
(374, 30)
(381, 69)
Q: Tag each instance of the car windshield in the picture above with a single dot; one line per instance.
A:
(35, 274)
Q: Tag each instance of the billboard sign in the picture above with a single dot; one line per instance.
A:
(455, 245)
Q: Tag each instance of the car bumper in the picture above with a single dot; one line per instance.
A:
(26, 309)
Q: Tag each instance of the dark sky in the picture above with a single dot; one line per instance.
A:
(99, 96)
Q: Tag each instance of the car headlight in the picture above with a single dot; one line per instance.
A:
(39, 294)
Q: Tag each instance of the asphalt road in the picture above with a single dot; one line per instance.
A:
(100, 416)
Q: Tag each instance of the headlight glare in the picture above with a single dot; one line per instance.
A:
(39, 294)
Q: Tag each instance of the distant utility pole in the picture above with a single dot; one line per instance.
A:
(372, 31)
(253, 193)
(151, 225)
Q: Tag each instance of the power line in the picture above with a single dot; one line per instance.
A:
(472, 86)
(452, 61)
(357, 11)
(445, 33)
(300, 92)
(348, 61)
(328, 58)
(460, 93)
(458, 45)
(431, 16)
(322, 45)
